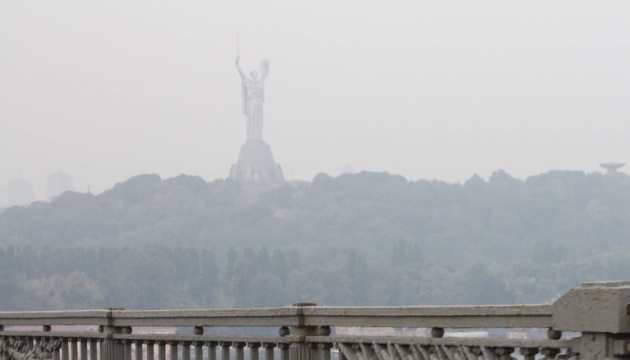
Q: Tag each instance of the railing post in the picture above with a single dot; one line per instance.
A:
(238, 346)
(186, 350)
(601, 311)
(284, 351)
(84, 349)
(324, 349)
(127, 349)
(212, 351)
(299, 349)
(225, 350)
(253, 350)
(150, 350)
(138, 349)
(74, 348)
(161, 350)
(269, 350)
(199, 351)
(110, 348)
(65, 349)
(93, 346)
(173, 348)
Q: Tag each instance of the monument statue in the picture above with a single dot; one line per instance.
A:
(253, 93)
(255, 161)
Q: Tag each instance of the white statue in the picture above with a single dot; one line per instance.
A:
(253, 92)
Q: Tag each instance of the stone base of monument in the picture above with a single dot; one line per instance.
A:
(255, 163)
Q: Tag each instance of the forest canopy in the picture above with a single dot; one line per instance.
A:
(357, 239)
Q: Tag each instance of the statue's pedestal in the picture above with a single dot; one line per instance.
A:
(255, 162)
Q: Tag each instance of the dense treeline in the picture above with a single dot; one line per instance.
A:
(52, 278)
(364, 239)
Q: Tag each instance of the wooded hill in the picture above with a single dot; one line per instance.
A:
(362, 239)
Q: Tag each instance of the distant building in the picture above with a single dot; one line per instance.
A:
(58, 183)
(612, 167)
(20, 192)
(347, 169)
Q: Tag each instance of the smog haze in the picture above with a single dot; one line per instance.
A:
(428, 90)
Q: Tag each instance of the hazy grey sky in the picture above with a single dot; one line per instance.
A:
(444, 89)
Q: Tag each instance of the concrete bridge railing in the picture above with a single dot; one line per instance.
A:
(591, 322)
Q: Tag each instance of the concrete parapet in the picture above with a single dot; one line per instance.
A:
(596, 316)
(595, 307)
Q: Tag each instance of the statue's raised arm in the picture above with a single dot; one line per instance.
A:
(264, 68)
(238, 67)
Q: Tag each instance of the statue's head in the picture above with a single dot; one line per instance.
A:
(253, 74)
